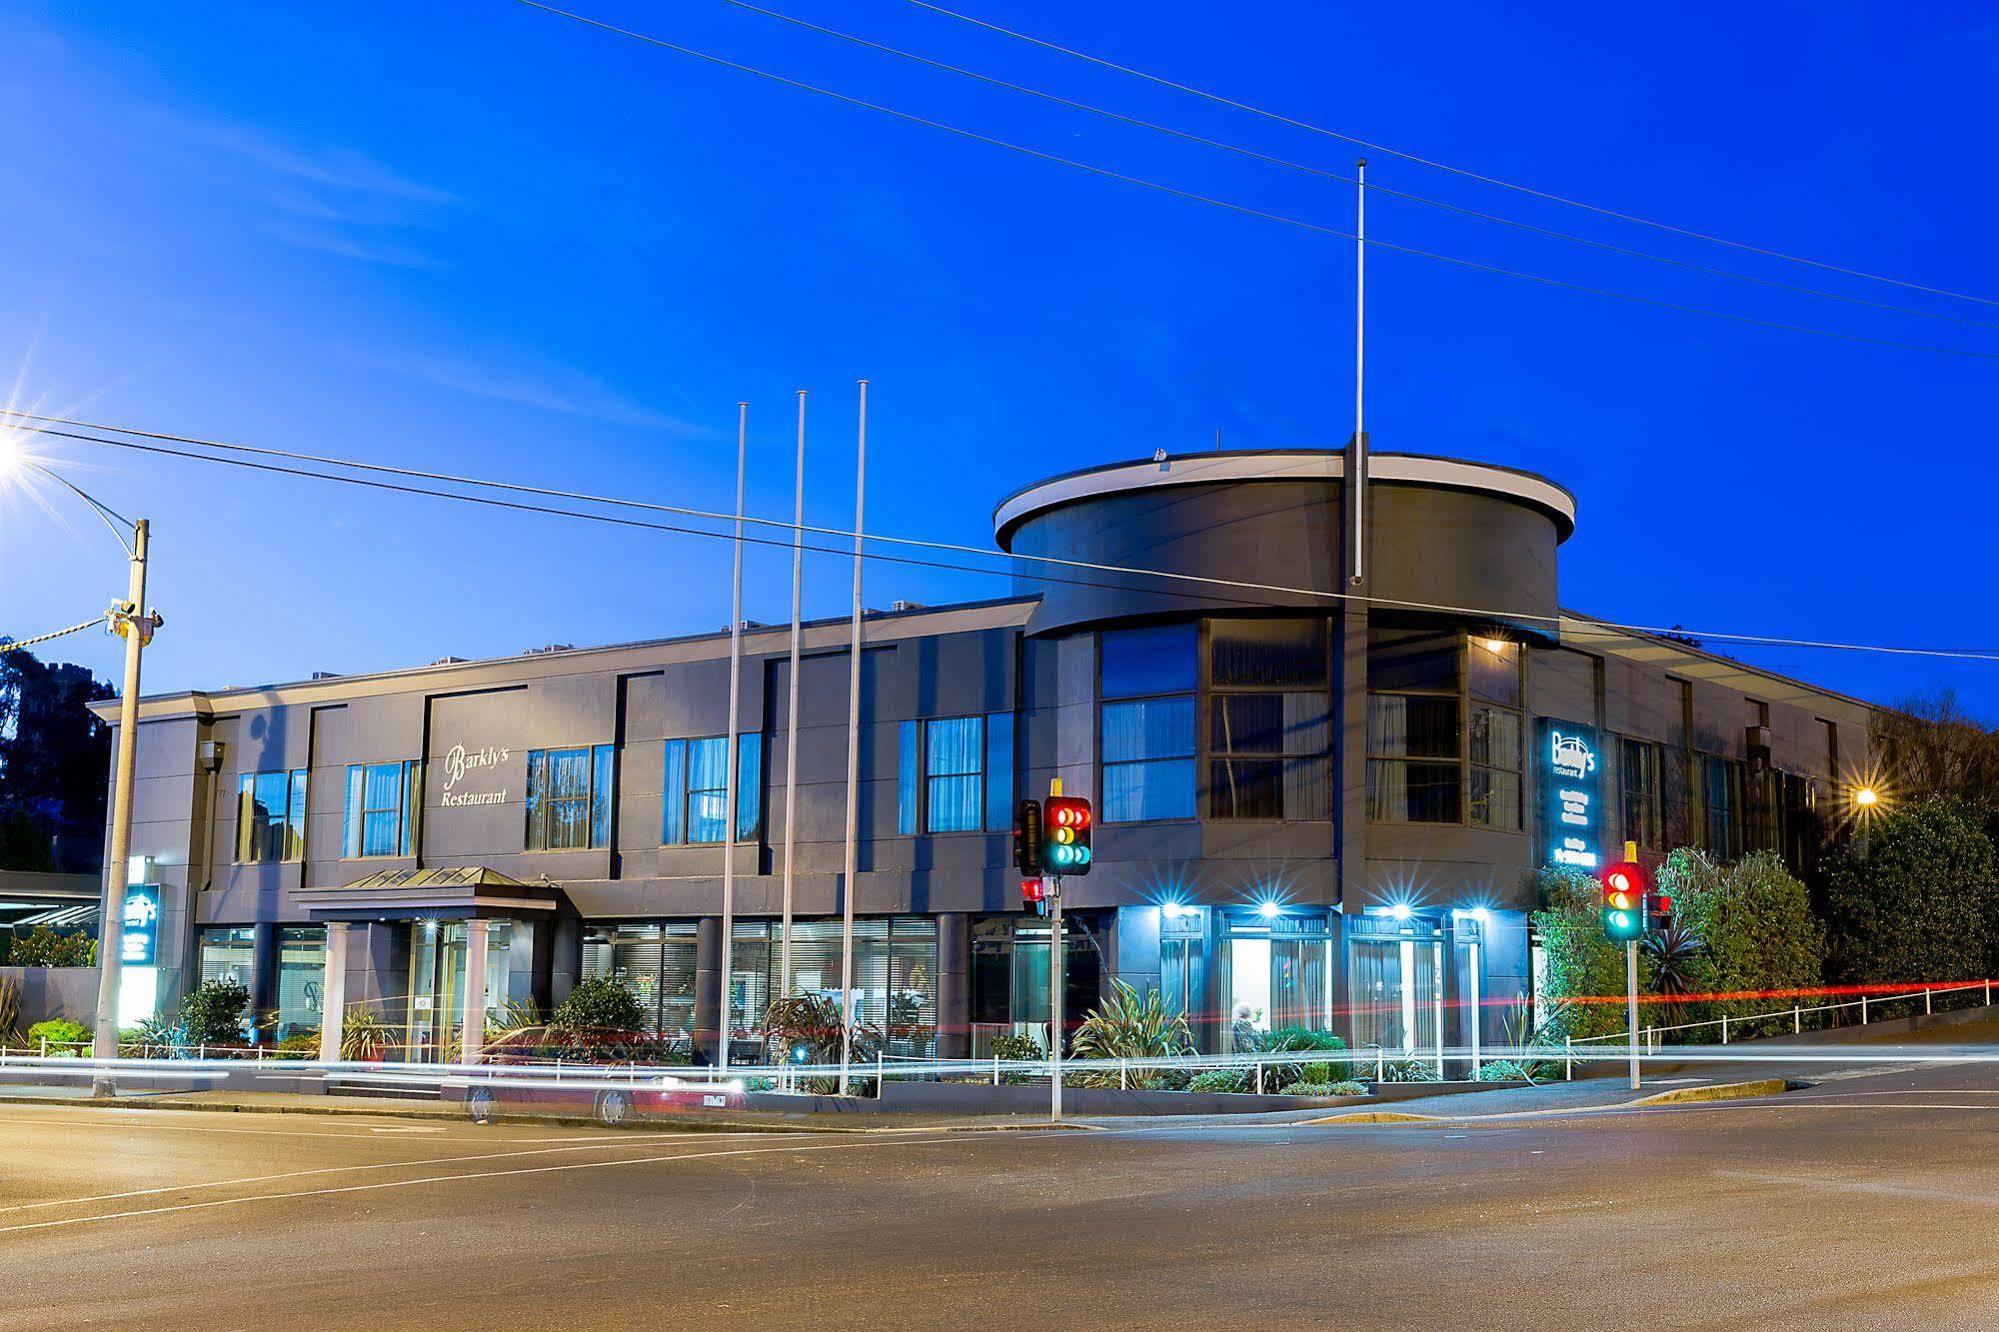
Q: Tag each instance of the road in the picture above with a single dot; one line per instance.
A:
(1866, 1202)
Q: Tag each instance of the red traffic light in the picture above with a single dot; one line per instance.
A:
(1625, 885)
(1033, 891)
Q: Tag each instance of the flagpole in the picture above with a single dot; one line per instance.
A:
(791, 709)
(853, 758)
(730, 780)
(1357, 472)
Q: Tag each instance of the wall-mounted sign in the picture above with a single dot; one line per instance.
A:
(1571, 794)
(462, 763)
(140, 946)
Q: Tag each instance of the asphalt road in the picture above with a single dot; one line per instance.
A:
(1866, 1202)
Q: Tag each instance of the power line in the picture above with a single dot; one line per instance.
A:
(1248, 211)
(1371, 146)
(1327, 174)
(1590, 626)
(16, 644)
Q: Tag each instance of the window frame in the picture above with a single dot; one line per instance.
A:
(1467, 701)
(1653, 793)
(408, 811)
(1208, 758)
(1192, 758)
(537, 814)
(752, 781)
(293, 820)
(914, 778)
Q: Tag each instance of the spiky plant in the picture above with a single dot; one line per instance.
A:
(1130, 1025)
(1673, 952)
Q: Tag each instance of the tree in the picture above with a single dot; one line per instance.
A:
(213, 1014)
(1922, 904)
(1928, 745)
(1755, 923)
(54, 756)
(600, 1005)
(1583, 992)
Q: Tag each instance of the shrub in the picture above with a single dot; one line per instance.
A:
(300, 1045)
(1283, 1040)
(45, 947)
(1756, 929)
(1920, 905)
(1321, 1087)
(1015, 1046)
(811, 1024)
(10, 1008)
(1503, 1070)
(63, 1036)
(213, 1013)
(1408, 1070)
(1581, 963)
(364, 1035)
(1350, 1088)
(1221, 1080)
(600, 1004)
(1130, 1025)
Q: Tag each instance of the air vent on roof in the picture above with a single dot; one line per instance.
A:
(748, 625)
(905, 605)
(447, 661)
(552, 647)
(326, 675)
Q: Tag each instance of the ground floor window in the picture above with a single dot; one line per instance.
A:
(438, 982)
(895, 975)
(657, 961)
(1277, 971)
(1010, 960)
(1393, 971)
(301, 979)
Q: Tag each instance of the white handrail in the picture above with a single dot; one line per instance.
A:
(1796, 1012)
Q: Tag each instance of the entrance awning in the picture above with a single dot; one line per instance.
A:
(443, 892)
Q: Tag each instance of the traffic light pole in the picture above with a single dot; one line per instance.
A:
(1057, 969)
(1631, 1002)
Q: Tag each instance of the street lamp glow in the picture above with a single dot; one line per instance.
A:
(1867, 797)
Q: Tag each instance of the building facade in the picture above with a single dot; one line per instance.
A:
(1323, 785)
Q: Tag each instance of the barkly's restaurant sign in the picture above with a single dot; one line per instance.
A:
(1571, 799)
(475, 766)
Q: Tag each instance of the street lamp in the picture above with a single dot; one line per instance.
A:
(131, 622)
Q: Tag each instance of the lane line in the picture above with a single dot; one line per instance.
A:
(1872, 1187)
(595, 1144)
(487, 1174)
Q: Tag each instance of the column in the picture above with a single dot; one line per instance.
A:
(472, 1030)
(954, 987)
(707, 988)
(263, 979)
(333, 1004)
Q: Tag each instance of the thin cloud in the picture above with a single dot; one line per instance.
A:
(560, 389)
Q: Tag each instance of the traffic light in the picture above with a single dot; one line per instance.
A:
(1027, 838)
(1034, 895)
(1624, 886)
(1658, 912)
(1065, 822)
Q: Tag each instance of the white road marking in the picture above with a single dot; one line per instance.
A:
(409, 1128)
(1866, 1186)
(490, 1174)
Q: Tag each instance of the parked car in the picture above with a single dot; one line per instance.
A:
(613, 1106)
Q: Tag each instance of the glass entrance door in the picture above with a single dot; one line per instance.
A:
(437, 985)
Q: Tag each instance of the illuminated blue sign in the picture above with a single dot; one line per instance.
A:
(1571, 813)
(140, 946)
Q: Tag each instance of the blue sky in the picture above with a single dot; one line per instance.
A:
(475, 237)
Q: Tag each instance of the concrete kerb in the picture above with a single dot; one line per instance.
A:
(1720, 1091)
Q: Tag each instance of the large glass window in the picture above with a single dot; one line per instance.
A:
(695, 807)
(382, 801)
(569, 793)
(1638, 776)
(1494, 751)
(656, 961)
(955, 774)
(1269, 720)
(895, 975)
(270, 816)
(1445, 733)
(1147, 723)
(301, 979)
(1392, 985)
(1279, 973)
(1721, 804)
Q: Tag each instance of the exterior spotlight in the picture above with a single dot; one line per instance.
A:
(1496, 646)
(1400, 911)
(1173, 911)
(1867, 797)
(1268, 910)
(1480, 914)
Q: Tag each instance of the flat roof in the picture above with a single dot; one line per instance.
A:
(1283, 465)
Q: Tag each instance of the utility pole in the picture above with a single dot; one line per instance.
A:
(1058, 961)
(853, 758)
(1631, 1002)
(732, 778)
(132, 622)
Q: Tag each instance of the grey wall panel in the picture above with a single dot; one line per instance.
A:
(1562, 684)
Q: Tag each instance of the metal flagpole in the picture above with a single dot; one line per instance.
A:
(1357, 455)
(853, 759)
(791, 710)
(730, 779)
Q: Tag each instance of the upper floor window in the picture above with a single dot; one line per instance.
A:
(955, 774)
(1720, 804)
(1415, 739)
(382, 801)
(270, 816)
(1640, 806)
(569, 797)
(1147, 682)
(696, 805)
(1494, 748)
(1269, 719)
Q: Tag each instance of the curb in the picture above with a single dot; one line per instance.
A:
(1375, 1117)
(1720, 1091)
(393, 1111)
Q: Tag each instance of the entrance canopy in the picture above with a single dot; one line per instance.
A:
(461, 892)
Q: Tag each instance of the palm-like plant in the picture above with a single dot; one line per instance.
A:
(806, 1029)
(364, 1035)
(1130, 1025)
(1673, 952)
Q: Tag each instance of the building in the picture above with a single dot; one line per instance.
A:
(1313, 808)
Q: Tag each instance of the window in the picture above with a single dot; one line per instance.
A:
(895, 975)
(226, 954)
(656, 961)
(696, 804)
(1493, 735)
(966, 767)
(1721, 803)
(1415, 744)
(301, 979)
(1638, 774)
(382, 800)
(569, 798)
(1269, 719)
(1147, 723)
(270, 816)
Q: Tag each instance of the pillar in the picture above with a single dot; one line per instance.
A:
(472, 1028)
(708, 988)
(954, 985)
(263, 980)
(334, 1001)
